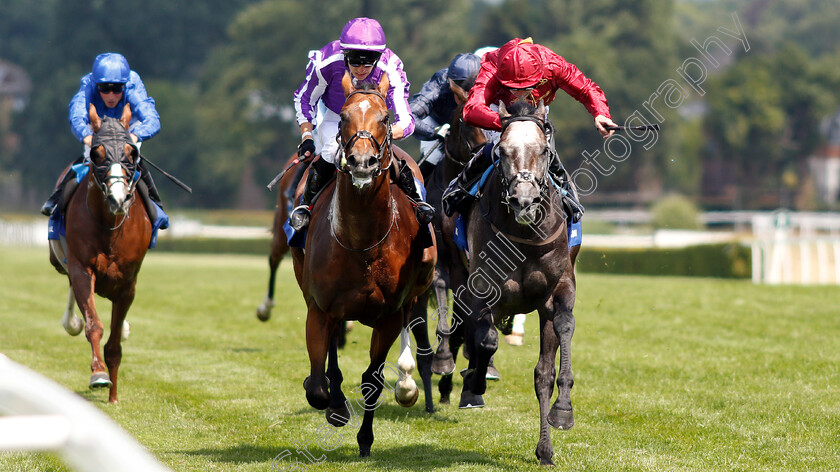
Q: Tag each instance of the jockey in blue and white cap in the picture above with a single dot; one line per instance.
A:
(434, 105)
(361, 51)
(109, 86)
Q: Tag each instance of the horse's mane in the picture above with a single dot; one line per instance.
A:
(521, 108)
(365, 86)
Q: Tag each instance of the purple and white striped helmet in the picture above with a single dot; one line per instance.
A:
(363, 34)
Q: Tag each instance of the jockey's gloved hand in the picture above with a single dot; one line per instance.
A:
(308, 145)
(441, 132)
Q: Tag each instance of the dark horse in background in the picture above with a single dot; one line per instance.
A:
(450, 272)
(108, 231)
(365, 260)
(519, 224)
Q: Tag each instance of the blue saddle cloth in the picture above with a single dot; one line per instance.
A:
(574, 232)
(298, 238)
(56, 229)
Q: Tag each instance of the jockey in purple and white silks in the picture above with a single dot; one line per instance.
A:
(360, 51)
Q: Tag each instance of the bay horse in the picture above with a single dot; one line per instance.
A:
(520, 262)
(460, 144)
(108, 232)
(365, 260)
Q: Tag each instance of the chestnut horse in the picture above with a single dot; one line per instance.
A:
(365, 260)
(520, 262)
(107, 234)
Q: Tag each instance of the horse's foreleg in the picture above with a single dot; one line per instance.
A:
(319, 330)
(83, 282)
(544, 383)
(373, 379)
(482, 336)
(72, 323)
(561, 415)
(113, 348)
(424, 349)
(337, 413)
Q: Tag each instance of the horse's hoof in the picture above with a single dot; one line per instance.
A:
(444, 399)
(470, 400)
(406, 396)
(443, 365)
(492, 373)
(100, 380)
(263, 315)
(546, 461)
(338, 417)
(561, 419)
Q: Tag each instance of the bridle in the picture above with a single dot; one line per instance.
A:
(385, 145)
(524, 175)
(463, 143)
(113, 141)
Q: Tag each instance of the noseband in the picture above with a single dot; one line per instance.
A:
(345, 147)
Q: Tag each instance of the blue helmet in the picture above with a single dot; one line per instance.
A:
(110, 67)
(463, 70)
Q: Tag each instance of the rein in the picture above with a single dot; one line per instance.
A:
(387, 233)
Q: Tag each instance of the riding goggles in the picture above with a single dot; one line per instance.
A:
(358, 58)
(110, 87)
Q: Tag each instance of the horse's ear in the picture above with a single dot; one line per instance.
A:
(125, 119)
(95, 121)
(347, 84)
(503, 113)
(460, 93)
(541, 110)
(384, 85)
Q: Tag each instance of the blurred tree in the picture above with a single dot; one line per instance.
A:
(245, 115)
(627, 47)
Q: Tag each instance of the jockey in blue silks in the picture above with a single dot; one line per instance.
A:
(434, 105)
(360, 50)
(109, 86)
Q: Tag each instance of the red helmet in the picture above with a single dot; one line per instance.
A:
(519, 64)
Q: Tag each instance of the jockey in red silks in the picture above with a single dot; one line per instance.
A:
(522, 70)
(360, 50)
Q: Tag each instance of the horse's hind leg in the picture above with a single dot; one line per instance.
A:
(443, 362)
(424, 349)
(373, 380)
(72, 323)
(113, 348)
(264, 310)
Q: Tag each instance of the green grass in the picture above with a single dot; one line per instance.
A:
(670, 374)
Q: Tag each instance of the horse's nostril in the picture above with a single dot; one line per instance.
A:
(371, 162)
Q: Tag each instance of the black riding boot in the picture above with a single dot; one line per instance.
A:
(571, 204)
(319, 174)
(55, 198)
(422, 210)
(290, 192)
(146, 177)
(426, 169)
(457, 195)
